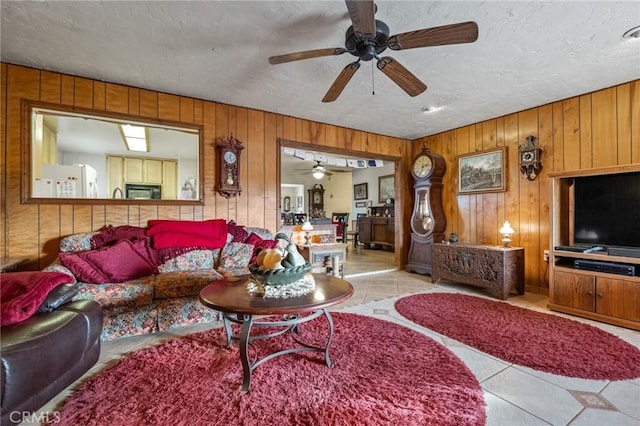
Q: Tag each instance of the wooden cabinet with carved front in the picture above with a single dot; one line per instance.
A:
(498, 269)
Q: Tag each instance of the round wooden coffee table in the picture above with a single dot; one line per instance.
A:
(237, 306)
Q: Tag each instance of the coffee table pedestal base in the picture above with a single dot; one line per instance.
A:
(289, 324)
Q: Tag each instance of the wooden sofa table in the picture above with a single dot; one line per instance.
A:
(240, 307)
(496, 268)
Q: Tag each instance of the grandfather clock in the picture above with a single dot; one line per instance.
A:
(428, 221)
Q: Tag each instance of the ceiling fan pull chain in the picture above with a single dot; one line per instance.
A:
(373, 82)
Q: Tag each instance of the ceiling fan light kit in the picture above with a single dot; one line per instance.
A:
(368, 37)
(633, 33)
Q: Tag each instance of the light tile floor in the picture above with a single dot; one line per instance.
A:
(515, 395)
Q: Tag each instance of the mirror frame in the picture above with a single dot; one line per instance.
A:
(26, 136)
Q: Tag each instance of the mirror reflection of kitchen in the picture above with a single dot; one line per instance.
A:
(75, 156)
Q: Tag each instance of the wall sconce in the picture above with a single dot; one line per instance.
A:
(306, 227)
(530, 158)
(506, 231)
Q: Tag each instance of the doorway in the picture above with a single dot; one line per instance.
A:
(346, 172)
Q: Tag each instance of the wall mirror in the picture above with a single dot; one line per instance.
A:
(80, 156)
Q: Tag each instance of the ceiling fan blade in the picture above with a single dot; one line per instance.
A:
(401, 76)
(464, 32)
(307, 54)
(362, 14)
(338, 86)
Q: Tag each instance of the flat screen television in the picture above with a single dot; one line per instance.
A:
(607, 210)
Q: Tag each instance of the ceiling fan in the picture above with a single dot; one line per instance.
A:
(319, 171)
(367, 37)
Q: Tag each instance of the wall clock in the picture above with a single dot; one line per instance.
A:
(228, 166)
(428, 221)
(530, 158)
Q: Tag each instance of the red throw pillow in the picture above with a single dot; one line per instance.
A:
(239, 233)
(22, 293)
(83, 271)
(253, 239)
(112, 234)
(118, 263)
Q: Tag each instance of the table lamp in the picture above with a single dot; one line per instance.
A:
(306, 227)
(506, 231)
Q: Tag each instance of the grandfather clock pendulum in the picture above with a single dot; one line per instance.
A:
(428, 221)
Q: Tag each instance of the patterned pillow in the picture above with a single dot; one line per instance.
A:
(56, 266)
(263, 233)
(77, 242)
(191, 261)
(235, 257)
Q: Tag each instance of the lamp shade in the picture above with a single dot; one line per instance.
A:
(506, 232)
(307, 226)
(506, 228)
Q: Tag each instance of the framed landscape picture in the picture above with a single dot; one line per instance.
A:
(482, 171)
(360, 191)
(386, 188)
(361, 204)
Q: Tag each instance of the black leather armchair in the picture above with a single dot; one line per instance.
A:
(44, 354)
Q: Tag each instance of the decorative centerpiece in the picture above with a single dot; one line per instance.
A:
(278, 267)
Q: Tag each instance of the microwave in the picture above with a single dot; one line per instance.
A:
(134, 191)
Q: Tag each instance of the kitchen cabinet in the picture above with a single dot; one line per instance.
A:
(170, 180)
(153, 172)
(115, 175)
(148, 171)
(133, 170)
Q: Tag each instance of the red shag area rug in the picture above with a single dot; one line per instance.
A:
(383, 374)
(525, 337)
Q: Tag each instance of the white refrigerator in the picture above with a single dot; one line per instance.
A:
(77, 181)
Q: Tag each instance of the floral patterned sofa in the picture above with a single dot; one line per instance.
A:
(165, 295)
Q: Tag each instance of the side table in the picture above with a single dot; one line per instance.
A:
(8, 264)
(320, 255)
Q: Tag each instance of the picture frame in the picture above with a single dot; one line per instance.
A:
(361, 204)
(287, 203)
(360, 191)
(386, 188)
(482, 171)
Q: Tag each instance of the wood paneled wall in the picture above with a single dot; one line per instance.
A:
(592, 130)
(34, 230)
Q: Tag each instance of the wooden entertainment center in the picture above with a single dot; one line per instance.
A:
(609, 289)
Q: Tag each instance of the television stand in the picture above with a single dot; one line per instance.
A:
(604, 286)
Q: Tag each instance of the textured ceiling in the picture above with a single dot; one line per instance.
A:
(527, 54)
